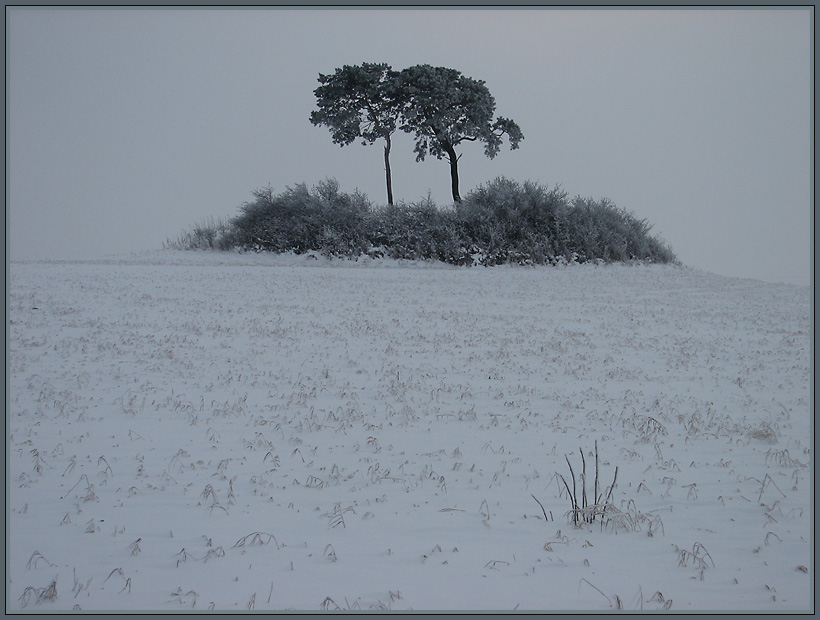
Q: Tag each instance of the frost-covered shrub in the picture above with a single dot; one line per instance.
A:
(500, 222)
(211, 234)
(300, 220)
(529, 223)
(418, 231)
(507, 221)
(602, 230)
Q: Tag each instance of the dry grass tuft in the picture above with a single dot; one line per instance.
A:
(763, 432)
(630, 519)
(783, 459)
(49, 593)
(586, 511)
(326, 605)
(256, 538)
(336, 515)
(698, 557)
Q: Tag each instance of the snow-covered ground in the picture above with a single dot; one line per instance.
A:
(197, 430)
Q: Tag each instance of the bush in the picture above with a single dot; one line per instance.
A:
(211, 234)
(500, 222)
(298, 220)
(419, 231)
(506, 221)
(510, 222)
(602, 230)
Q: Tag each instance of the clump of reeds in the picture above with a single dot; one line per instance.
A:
(581, 509)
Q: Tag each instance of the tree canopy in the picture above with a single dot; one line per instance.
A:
(360, 101)
(440, 106)
(446, 108)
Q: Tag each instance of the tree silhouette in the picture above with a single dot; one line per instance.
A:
(360, 101)
(443, 108)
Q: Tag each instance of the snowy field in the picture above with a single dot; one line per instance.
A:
(195, 430)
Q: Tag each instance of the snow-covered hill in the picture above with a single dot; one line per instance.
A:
(196, 430)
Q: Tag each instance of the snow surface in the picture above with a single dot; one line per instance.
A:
(199, 430)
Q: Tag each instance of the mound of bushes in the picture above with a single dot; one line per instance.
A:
(500, 222)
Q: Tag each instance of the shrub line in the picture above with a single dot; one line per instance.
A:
(501, 222)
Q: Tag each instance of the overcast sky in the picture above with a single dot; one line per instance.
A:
(126, 127)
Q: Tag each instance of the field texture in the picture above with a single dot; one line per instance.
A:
(197, 430)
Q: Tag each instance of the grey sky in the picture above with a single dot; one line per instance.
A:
(126, 127)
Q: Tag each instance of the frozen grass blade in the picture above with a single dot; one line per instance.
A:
(574, 495)
(36, 557)
(542, 507)
(584, 580)
(767, 479)
(595, 492)
(135, 546)
(583, 479)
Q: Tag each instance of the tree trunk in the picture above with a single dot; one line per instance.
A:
(451, 155)
(387, 171)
